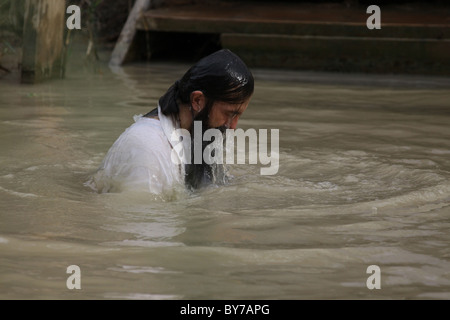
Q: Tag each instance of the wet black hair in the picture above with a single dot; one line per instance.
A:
(221, 76)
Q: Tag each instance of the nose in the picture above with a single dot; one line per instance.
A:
(232, 122)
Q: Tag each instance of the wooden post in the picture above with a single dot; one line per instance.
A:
(43, 41)
(126, 37)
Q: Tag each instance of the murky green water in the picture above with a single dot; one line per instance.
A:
(364, 179)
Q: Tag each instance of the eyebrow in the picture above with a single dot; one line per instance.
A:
(236, 111)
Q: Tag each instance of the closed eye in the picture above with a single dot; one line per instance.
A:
(235, 113)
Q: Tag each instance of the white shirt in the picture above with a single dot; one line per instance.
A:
(141, 158)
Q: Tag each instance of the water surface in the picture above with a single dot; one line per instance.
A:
(364, 179)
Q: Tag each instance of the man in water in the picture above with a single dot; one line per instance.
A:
(215, 91)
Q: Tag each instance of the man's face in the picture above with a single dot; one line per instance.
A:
(222, 116)
(226, 115)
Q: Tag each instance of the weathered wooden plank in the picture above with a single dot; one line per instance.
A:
(296, 19)
(123, 45)
(347, 54)
(43, 40)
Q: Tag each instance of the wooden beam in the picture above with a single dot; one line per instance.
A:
(122, 48)
(296, 19)
(43, 42)
(344, 54)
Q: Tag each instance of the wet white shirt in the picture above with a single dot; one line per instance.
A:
(141, 159)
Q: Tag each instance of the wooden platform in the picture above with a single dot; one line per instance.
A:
(412, 38)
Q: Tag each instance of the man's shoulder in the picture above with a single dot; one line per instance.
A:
(144, 126)
(145, 133)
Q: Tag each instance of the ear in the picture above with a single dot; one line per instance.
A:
(198, 100)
